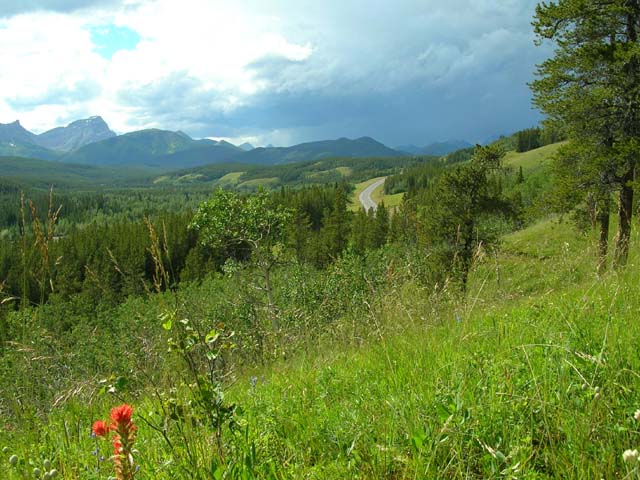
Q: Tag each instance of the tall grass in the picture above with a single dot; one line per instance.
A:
(534, 374)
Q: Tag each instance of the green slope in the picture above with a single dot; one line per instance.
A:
(343, 147)
(533, 159)
(534, 164)
(326, 170)
(42, 173)
(535, 374)
(140, 148)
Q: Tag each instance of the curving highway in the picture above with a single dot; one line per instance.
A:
(365, 196)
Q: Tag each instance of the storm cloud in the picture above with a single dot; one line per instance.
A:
(287, 71)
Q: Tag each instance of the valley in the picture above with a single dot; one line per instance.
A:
(290, 240)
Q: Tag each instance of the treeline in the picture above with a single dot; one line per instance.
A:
(449, 211)
(318, 172)
(419, 176)
(532, 138)
(323, 227)
(80, 208)
(104, 263)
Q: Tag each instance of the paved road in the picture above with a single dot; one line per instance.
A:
(365, 197)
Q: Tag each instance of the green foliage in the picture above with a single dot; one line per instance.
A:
(359, 367)
(227, 219)
(376, 376)
(457, 216)
(590, 89)
(44, 174)
(252, 225)
(310, 172)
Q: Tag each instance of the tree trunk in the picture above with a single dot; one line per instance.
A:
(624, 217)
(603, 242)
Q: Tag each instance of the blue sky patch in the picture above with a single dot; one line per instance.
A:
(109, 39)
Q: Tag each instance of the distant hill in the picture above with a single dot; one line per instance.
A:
(176, 150)
(343, 147)
(248, 177)
(44, 174)
(200, 155)
(75, 135)
(15, 140)
(141, 148)
(437, 148)
(91, 142)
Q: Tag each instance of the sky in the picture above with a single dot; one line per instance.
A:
(275, 72)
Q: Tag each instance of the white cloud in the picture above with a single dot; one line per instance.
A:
(46, 57)
(200, 63)
(209, 42)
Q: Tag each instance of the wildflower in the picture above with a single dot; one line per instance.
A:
(117, 446)
(47, 464)
(630, 455)
(121, 415)
(13, 460)
(5, 449)
(53, 473)
(125, 435)
(99, 428)
(637, 415)
(37, 472)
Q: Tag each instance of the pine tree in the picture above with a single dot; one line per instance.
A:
(381, 226)
(461, 199)
(336, 226)
(359, 231)
(591, 89)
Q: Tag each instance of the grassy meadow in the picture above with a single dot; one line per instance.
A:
(534, 373)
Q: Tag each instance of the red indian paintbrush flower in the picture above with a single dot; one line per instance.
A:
(121, 414)
(99, 428)
(124, 435)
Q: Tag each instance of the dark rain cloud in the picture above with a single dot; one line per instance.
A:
(401, 72)
(81, 91)
(410, 71)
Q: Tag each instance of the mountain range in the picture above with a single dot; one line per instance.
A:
(76, 134)
(91, 142)
(436, 148)
(52, 144)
